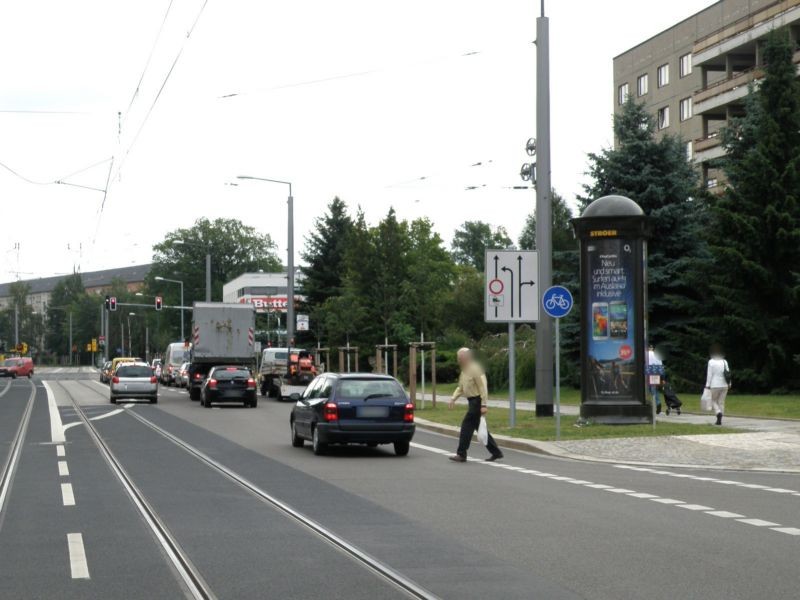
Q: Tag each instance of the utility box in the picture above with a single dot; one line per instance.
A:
(613, 234)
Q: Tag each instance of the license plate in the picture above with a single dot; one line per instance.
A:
(373, 412)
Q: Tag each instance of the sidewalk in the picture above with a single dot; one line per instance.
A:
(764, 445)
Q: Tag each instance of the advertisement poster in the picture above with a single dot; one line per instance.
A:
(611, 305)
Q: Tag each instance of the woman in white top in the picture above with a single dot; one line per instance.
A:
(718, 380)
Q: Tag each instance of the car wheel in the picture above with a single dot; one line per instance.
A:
(254, 403)
(154, 400)
(318, 447)
(113, 400)
(206, 402)
(30, 374)
(275, 392)
(194, 394)
(297, 441)
(263, 390)
(402, 448)
(13, 376)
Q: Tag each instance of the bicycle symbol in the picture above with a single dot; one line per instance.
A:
(556, 300)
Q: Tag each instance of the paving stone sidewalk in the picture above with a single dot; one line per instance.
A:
(763, 445)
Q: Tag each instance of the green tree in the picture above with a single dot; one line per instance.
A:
(324, 254)
(430, 276)
(235, 248)
(755, 234)
(64, 299)
(655, 172)
(563, 238)
(472, 239)
(464, 304)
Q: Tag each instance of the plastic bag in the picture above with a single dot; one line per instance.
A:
(705, 400)
(483, 432)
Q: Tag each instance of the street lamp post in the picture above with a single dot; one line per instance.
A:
(208, 271)
(130, 334)
(178, 281)
(290, 257)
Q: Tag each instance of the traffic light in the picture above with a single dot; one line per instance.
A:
(159, 302)
(108, 302)
(112, 303)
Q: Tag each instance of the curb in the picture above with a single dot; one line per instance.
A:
(552, 449)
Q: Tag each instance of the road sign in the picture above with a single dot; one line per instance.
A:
(257, 348)
(101, 338)
(557, 301)
(94, 344)
(22, 348)
(511, 289)
(302, 322)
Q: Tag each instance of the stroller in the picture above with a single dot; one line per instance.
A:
(671, 399)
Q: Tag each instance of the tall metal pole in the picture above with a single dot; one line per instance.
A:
(558, 380)
(70, 338)
(290, 267)
(208, 281)
(544, 218)
(512, 375)
(147, 343)
(16, 324)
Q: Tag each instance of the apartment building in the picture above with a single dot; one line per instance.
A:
(694, 76)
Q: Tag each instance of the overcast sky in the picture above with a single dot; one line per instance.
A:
(381, 103)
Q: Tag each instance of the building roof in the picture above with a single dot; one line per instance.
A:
(90, 280)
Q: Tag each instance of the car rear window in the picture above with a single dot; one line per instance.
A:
(10, 362)
(134, 371)
(228, 374)
(362, 388)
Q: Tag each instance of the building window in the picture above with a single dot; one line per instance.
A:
(663, 117)
(642, 84)
(622, 93)
(686, 65)
(712, 182)
(663, 75)
(689, 150)
(686, 109)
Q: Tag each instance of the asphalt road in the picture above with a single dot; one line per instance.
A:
(527, 527)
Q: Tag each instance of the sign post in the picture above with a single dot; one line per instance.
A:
(557, 302)
(511, 296)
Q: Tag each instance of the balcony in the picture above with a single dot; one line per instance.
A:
(745, 30)
(707, 148)
(731, 89)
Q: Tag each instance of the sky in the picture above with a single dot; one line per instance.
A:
(403, 104)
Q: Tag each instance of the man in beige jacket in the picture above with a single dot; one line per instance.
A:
(472, 384)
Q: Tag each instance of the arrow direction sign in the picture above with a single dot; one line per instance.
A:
(511, 292)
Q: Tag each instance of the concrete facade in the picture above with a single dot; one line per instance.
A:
(722, 43)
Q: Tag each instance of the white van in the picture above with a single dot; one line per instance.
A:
(175, 355)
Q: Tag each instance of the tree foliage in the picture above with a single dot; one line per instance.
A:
(755, 237)
(473, 238)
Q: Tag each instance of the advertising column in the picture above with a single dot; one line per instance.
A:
(612, 232)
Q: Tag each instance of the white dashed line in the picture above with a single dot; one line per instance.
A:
(725, 514)
(694, 507)
(60, 450)
(63, 468)
(699, 508)
(758, 522)
(752, 486)
(67, 496)
(77, 556)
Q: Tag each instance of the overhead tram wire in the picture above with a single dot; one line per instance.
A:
(160, 90)
(59, 180)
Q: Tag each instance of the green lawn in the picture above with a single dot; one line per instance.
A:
(529, 427)
(736, 405)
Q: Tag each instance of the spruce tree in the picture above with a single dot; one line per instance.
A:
(755, 236)
(655, 172)
(324, 254)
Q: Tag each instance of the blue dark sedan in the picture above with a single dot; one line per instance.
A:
(353, 408)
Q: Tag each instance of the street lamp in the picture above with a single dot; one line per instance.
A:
(178, 281)
(208, 268)
(290, 259)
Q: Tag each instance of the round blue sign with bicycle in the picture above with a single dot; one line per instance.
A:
(557, 301)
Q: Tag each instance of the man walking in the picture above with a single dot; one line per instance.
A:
(472, 384)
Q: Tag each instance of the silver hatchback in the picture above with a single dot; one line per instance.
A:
(134, 380)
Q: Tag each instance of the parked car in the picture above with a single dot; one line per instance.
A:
(182, 378)
(353, 408)
(105, 372)
(17, 367)
(134, 380)
(229, 384)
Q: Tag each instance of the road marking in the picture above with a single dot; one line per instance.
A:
(77, 556)
(56, 427)
(642, 495)
(5, 389)
(758, 522)
(58, 370)
(60, 450)
(667, 501)
(752, 486)
(725, 514)
(600, 486)
(67, 497)
(63, 468)
(110, 413)
(620, 490)
(694, 507)
(788, 530)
